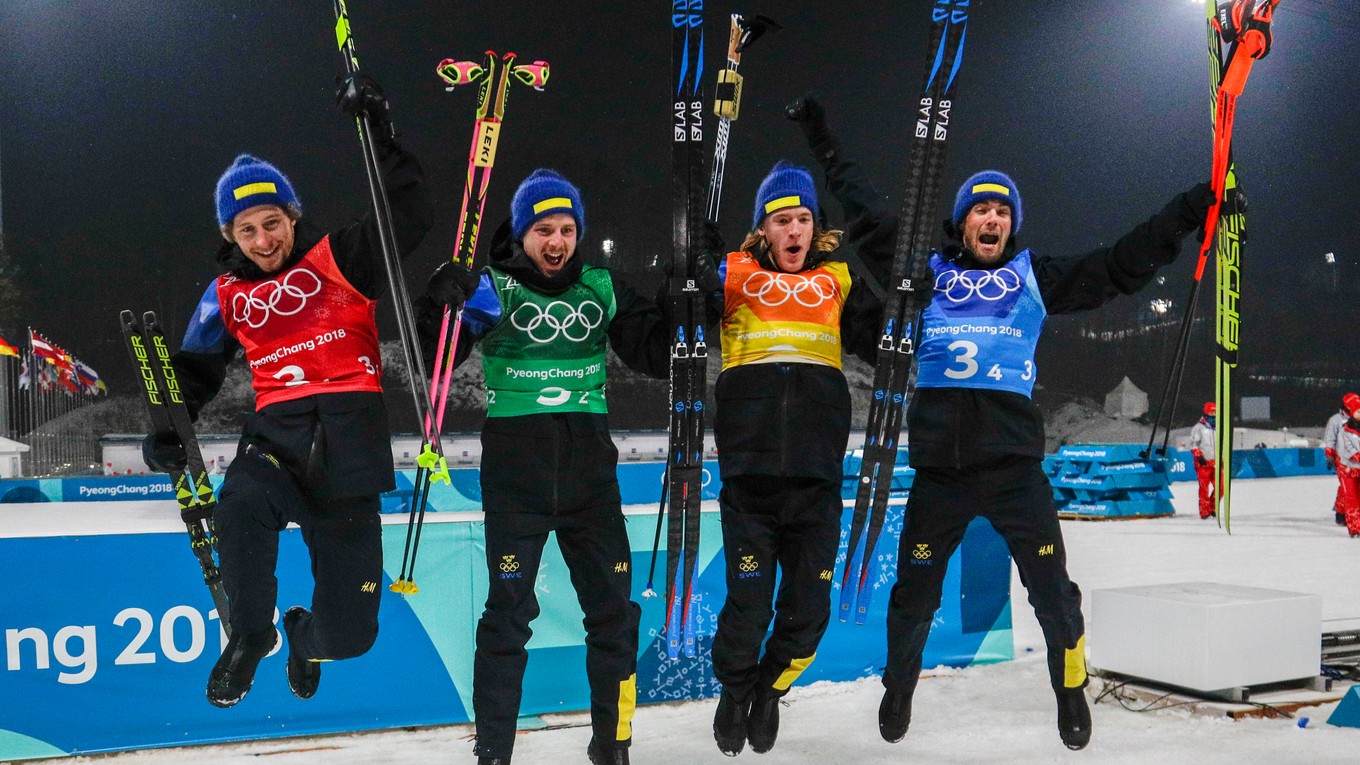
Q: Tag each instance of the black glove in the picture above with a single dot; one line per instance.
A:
(923, 289)
(711, 239)
(359, 93)
(1331, 466)
(810, 115)
(706, 274)
(451, 284)
(163, 453)
(1199, 198)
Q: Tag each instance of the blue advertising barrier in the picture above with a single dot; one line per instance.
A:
(639, 482)
(1109, 480)
(1256, 463)
(108, 639)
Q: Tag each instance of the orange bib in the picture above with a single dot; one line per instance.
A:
(774, 316)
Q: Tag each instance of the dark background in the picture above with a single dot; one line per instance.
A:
(117, 119)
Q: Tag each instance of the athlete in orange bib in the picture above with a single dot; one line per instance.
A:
(790, 309)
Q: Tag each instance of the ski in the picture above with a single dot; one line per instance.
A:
(169, 416)
(894, 375)
(1245, 25)
(726, 105)
(689, 353)
(1227, 257)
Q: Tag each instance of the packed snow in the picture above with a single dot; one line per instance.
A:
(1283, 538)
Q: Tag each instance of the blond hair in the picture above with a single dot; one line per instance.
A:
(823, 240)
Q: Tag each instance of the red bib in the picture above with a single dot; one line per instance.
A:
(305, 330)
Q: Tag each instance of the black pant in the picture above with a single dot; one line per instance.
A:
(1017, 498)
(768, 521)
(595, 547)
(344, 537)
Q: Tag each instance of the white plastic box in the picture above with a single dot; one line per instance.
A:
(1206, 636)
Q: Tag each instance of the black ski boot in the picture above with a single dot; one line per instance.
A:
(1341, 519)
(729, 724)
(762, 722)
(304, 675)
(894, 712)
(1074, 718)
(231, 676)
(602, 754)
(494, 760)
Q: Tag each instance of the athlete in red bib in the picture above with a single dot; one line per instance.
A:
(305, 331)
(299, 302)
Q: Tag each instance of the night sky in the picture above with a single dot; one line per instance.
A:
(118, 117)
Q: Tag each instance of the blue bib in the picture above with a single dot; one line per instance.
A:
(981, 328)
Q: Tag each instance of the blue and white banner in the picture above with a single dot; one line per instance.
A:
(108, 640)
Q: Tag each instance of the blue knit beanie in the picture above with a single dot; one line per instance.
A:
(250, 182)
(545, 192)
(988, 184)
(787, 185)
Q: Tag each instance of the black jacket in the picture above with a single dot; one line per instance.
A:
(552, 463)
(958, 427)
(335, 444)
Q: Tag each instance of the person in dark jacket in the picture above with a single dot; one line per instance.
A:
(976, 439)
(316, 451)
(542, 318)
(790, 310)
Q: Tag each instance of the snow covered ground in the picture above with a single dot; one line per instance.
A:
(1283, 538)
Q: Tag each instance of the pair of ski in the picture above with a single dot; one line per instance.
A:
(894, 374)
(682, 492)
(1244, 26)
(481, 161)
(170, 419)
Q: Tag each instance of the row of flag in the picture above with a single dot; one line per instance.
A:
(61, 370)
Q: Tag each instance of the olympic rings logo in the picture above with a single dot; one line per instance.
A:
(776, 289)
(274, 297)
(559, 317)
(960, 286)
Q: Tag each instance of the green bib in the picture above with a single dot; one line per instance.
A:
(547, 352)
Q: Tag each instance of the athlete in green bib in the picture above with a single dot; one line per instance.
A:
(542, 318)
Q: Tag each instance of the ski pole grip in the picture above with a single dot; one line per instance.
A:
(534, 75)
(459, 72)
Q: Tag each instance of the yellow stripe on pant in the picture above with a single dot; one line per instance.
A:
(627, 703)
(1074, 659)
(795, 669)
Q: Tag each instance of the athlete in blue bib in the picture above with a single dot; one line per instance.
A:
(976, 437)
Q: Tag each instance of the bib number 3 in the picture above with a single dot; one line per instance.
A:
(966, 357)
(967, 351)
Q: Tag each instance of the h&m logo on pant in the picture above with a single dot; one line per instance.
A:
(369, 587)
(825, 576)
(621, 567)
(1045, 550)
(510, 567)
